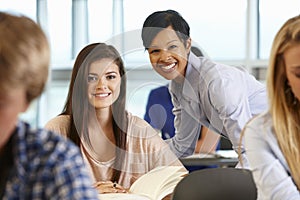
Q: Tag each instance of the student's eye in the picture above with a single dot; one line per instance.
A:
(297, 75)
(111, 77)
(92, 78)
(173, 47)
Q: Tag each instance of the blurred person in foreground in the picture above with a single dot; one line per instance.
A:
(34, 163)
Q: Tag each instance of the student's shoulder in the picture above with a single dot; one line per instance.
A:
(261, 120)
(51, 160)
(159, 91)
(59, 124)
(136, 120)
(60, 119)
(259, 125)
(42, 143)
(140, 127)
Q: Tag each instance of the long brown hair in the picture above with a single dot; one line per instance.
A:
(77, 105)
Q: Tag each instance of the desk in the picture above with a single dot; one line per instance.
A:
(211, 159)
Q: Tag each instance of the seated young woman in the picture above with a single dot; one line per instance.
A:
(272, 139)
(117, 146)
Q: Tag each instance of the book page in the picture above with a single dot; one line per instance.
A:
(122, 196)
(203, 155)
(227, 153)
(159, 182)
(217, 154)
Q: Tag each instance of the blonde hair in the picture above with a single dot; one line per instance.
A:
(284, 107)
(24, 55)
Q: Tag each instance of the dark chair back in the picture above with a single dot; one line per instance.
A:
(216, 184)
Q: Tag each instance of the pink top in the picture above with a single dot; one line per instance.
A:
(145, 151)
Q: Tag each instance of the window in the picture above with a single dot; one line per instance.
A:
(218, 27)
(220, 32)
(272, 16)
(18, 6)
(100, 20)
(59, 26)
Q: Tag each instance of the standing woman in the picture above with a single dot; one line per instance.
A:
(272, 139)
(117, 146)
(220, 97)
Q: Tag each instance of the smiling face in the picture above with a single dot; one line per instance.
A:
(103, 83)
(168, 54)
(292, 63)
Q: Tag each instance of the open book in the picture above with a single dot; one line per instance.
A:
(154, 185)
(217, 154)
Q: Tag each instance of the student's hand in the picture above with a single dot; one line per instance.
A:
(109, 187)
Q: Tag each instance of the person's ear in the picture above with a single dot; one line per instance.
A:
(188, 44)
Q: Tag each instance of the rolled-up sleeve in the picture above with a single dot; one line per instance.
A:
(231, 105)
(187, 131)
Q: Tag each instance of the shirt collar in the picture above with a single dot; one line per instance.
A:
(190, 85)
